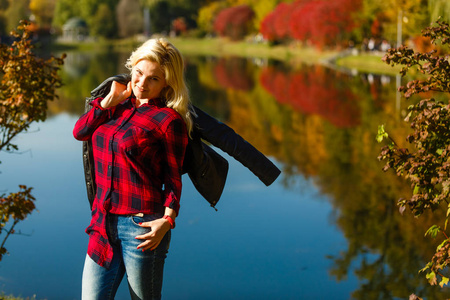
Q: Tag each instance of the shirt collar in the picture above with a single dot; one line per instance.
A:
(159, 102)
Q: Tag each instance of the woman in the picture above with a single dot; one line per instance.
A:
(139, 133)
(206, 168)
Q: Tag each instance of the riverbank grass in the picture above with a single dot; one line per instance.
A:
(224, 47)
(367, 63)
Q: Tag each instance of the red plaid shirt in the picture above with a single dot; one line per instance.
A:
(138, 155)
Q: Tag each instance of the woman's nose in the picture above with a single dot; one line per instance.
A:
(141, 82)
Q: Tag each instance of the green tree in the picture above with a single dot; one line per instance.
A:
(64, 10)
(104, 25)
(426, 166)
(161, 16)
(439, 8)
(90, 11)
(27, 83)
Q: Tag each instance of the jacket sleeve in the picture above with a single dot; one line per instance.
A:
(226, 139)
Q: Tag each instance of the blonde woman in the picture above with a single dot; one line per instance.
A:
(139, 133)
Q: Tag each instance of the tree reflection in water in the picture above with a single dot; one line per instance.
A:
(320, 124)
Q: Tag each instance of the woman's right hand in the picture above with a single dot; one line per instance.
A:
(117, 94)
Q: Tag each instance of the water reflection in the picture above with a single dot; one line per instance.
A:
(314, 90)
(320, 124)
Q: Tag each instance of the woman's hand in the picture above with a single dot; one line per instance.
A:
(117, 94)
(159, 228)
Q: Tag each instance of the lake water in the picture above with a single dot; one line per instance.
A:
(328, 228)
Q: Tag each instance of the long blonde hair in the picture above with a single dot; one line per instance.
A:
(171, 61)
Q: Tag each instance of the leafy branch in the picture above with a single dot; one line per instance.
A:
(27, 82)
(15, 207)
(427, 165)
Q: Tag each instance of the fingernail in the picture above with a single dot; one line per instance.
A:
(140, 223)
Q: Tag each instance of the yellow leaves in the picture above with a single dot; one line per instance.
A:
(207, 14)
(26, 84)
(432, 278)
(443, 282)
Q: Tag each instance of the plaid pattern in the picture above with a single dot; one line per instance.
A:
(138, 154)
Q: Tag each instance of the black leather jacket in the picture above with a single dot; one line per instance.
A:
(205, 167)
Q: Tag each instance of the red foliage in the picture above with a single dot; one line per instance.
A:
(275, 26)
(376, 28)
(301, 23)
(321, 22)
(312, 92)
(282, 16)
(229, 74)
(179, 25)
(234, 22)
(267, 27)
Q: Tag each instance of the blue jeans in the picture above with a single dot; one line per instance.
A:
(144, 269)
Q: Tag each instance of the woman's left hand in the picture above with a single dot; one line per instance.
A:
(159, 228)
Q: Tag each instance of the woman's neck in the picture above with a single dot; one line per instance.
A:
(139, 102)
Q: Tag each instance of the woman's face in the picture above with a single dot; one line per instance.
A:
(147, 80)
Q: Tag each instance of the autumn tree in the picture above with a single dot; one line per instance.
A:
(319, 22)
(179, 26)
(425, 164)
(43, 11)
(27, 83)
(234, 22)
(207, 15)
(324, 23)
(275, 26)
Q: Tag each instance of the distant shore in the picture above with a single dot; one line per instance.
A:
(293, 54)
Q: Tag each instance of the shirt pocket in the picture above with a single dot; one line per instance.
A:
(135, 140)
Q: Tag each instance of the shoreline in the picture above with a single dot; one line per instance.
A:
(295, 55)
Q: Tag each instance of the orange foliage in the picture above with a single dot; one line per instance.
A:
(423, 44)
